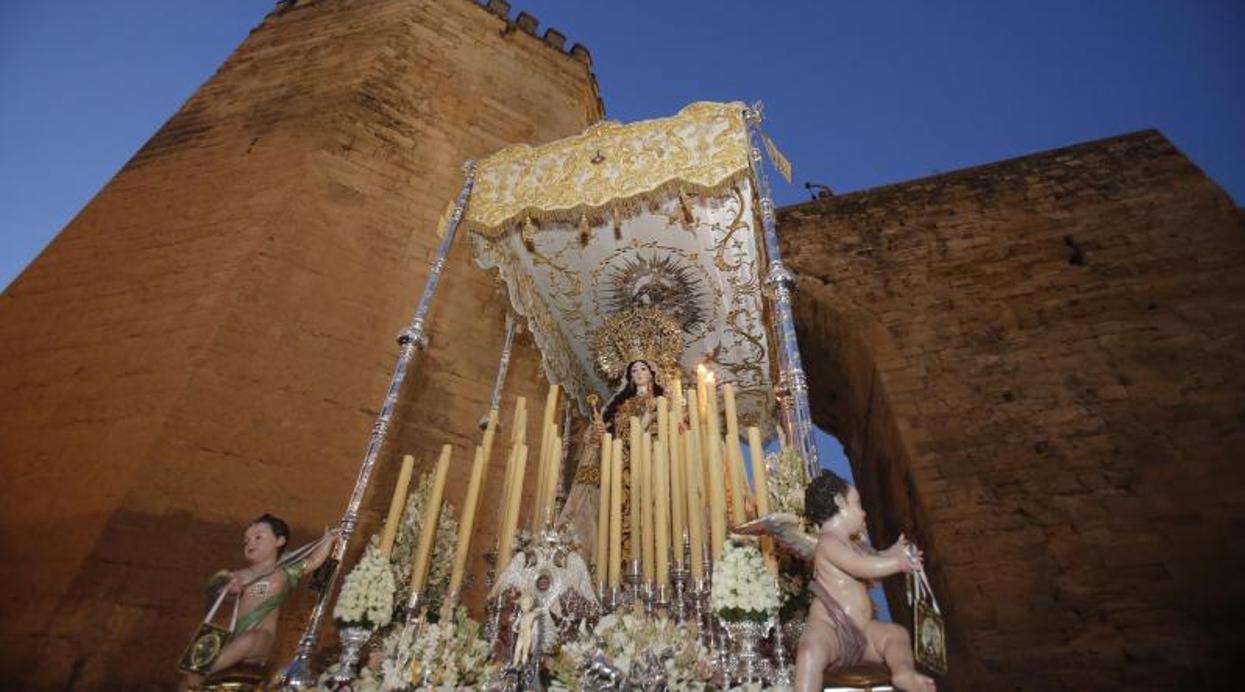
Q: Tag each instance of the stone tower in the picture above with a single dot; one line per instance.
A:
(1036, 369)
(211, 336)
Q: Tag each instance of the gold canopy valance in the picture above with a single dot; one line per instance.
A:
(609, 169)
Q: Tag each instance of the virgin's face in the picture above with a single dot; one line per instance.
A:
(640, 374)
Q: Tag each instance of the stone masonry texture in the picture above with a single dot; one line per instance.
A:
(1037, 368)
(211, 337)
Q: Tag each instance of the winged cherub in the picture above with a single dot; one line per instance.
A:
(840, 630)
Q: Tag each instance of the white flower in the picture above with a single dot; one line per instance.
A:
(366, 598)
(741, 583)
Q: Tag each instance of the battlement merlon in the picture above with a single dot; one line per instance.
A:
(523, 23)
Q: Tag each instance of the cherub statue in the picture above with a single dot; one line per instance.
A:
(840, 629)
(527, 631)
(261, 587)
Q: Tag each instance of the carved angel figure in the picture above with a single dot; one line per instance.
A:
(527, 631)
(840, 630)
(552, 573)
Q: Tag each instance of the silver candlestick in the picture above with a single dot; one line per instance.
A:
(679, 575)
(632, 579)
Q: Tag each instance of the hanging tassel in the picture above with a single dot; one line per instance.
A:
(585, 233)
(688, 219)
(528, 232)
(617, 224)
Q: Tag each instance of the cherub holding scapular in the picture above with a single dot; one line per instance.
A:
(261, 587)
(840, 629)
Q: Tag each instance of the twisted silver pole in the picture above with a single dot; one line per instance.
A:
(792, 384)
(298, 674)
(503, 364)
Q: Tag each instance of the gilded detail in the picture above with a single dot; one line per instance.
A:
(610, 167)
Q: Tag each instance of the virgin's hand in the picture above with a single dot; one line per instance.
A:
(598, 430)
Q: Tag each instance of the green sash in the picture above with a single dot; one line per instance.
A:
(251, 620)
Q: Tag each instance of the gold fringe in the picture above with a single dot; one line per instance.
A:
(616, 209)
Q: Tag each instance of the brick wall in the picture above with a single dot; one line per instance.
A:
(1038, 368)
(212, 335)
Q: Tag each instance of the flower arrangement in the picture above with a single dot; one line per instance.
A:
(743, 589)
(446, 655)
(442, 547)
(642, 648)
(366, 598)
(787, 481)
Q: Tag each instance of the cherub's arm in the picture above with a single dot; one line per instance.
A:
(860, 565)
(321, 553)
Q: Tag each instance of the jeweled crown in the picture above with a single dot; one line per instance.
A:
(644, 334)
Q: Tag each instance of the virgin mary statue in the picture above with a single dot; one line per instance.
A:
(637, 348)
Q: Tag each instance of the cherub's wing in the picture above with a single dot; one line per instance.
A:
(785, 528)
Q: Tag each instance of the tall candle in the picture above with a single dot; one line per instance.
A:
(661, 511)
(646, 478)
(760, 483)
(702, 389)
(542, 470)
(518, 436)
(616, 479)
(663, 419)
(511, 520)
(548, 430)
(604, 503)
(661, 477)
(428, 527)
(490, 433)
(465, 526)
(678, 499)
(396, 506)
(555, 478)
(735, 459)
(715, 472)
(508, 483)
(695, 507)
(698, 493)
(637, 518)
(518, 429)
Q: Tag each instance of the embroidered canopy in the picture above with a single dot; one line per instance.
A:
(655, 215)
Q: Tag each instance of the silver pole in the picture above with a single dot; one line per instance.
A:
(502, 366)
(792, 384)
(298, 674)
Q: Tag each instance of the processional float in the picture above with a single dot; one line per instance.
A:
(650, 243)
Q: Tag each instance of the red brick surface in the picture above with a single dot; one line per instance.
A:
(211, 337)
(1066, 439)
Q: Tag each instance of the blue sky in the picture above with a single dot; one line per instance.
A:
(858, 94)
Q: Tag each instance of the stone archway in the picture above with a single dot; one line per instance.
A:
(850, 366)
(1035, 366)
